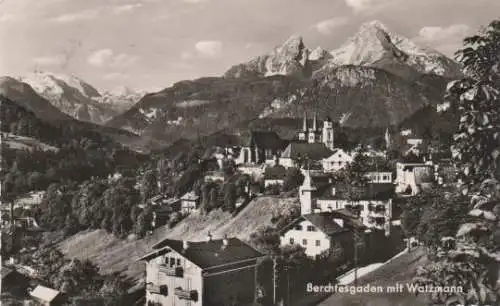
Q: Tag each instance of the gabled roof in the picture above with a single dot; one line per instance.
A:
(190, 196)
(44, 293)
(323, 221)
(336, 152)
(313, 151)
(266, 140)
(207, 254)
(5, 271)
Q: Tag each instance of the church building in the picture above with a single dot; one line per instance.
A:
(317, 134)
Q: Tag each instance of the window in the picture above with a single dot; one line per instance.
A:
(298, 227)
(291, 241)
(311, 228)
(304, 241)
(172, 261)
(178, 261)
(167, 260)
(318, 242)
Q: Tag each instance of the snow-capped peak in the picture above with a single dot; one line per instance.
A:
(375, 45)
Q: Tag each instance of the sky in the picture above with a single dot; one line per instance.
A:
(151, 44)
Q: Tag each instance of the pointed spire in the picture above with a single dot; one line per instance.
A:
(304, 124)
(315, 123)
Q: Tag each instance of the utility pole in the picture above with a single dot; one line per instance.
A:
(355, 258)
(275, 279)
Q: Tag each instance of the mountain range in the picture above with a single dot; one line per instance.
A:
(376, 79)
(77, 98)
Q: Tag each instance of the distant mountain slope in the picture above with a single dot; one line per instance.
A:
(25, 96)
(24, 109)
(203, 106)
(71, 95)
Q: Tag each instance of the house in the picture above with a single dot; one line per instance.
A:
(380, 177)
(321, 232)
(338, 160)
(14, 282)
(189, 202)
(274, 175)
(297, 153)
(412, 177)
(212, 272)
(262, 147)
(371, 203)
(46, 296)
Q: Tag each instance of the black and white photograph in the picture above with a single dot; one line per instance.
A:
(250, 152)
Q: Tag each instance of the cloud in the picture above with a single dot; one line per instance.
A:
(446, 39)
(444, 33)
(53, 60)
(107, 57)
(126, 8)
(115, 76)
(78, 16)
(359, 5)
(327, 27)
(209, 48)
(11, 17)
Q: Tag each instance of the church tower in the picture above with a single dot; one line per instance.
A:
(314, 133)
(328, 135)
(305, 194)
(303, 133)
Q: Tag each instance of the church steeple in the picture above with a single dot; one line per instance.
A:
(315, 123)
(304, 124)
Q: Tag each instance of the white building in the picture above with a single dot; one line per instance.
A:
(189, 202)
(373, 202)
(213, 272)
(316, 233)
(412, 177)
(337, 161)
(379, 177)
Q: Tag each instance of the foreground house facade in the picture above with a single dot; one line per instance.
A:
(214, 272)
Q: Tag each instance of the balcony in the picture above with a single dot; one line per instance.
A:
(182, 294)
(155, 289)
(172, 271)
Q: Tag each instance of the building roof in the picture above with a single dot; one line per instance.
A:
(276, 172)
(44, 293)
(338, 151)
(190, 196)
(324, 221)
(313, 151)
(5, 271)
(207, 254)
(266, 140)
(371, 191)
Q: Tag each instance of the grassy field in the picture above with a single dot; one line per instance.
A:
(112, 254)
(399, 271)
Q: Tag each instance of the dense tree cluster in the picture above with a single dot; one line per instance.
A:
(473, 260)
(79, 280)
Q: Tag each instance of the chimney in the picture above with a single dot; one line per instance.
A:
(185, 244)
(209, 236)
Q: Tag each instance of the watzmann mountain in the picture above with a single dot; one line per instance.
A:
(377, 78)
